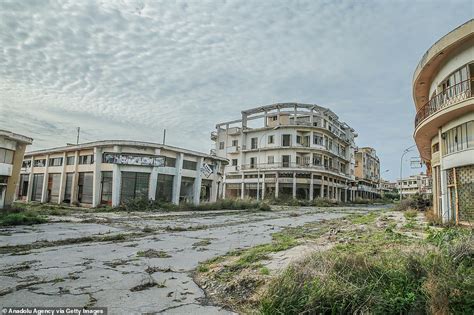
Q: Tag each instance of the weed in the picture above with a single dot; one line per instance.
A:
(265, 271)
(152, 253)
(20, 217)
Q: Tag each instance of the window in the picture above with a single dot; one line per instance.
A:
(221, 145)
(317, 159)
(106, 184)
(26, 164)
(6, 156)
(435, 147)
(274, 118)
(170, 162)
(85, 187)
(86, 159)
(164, 188)
(458, 138)
(318, 139)
(286, 140)
(37, 187)
(70, 160)
(298, 139)
(271, 159)
(286, 159)
(271, 139)
(189, 165)
(234, 162)
(134, 186)
(68, 188)
(23, 185)
(39, 163)
(253, 143)
(253, 162)
(56, 161)
(235, 143)
(53, 187)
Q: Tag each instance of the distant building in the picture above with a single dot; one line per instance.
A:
(415, 184)
(12, 148)
(287, 150)
(443, 85)
(386, 186)
(367, 173)
(113, 171)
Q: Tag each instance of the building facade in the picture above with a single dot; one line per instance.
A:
(444, 124)
(12, 149)
(387, 187)
(112, 172)
(416, 184)
(367, 173)
(287, 150)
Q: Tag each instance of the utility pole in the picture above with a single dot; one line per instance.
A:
(401, 169)
(164, 136)
(78, 132)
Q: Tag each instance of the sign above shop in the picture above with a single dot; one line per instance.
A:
(130, 159)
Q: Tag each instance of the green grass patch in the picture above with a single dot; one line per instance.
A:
(363, 218)
(20, 217)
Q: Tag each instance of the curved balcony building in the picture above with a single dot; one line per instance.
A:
(287, 150)
(443, 85)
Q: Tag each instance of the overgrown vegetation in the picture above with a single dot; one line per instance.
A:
(415, 202)
(435, 277)
(155, 205)
(15, 216)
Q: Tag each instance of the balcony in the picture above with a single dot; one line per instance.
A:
(233, 149)
(214, 135)
(448, 97)
(265, 166)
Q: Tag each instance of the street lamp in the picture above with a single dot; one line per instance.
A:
(401, 168)
(258, 161)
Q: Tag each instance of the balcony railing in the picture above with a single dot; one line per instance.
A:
(451, 95)
(263, 166)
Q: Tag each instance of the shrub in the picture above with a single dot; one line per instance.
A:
(20, 217)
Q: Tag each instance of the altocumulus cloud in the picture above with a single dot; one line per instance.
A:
(129, 69)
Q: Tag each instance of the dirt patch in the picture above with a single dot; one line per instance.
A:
(152, 253)
(147, 285)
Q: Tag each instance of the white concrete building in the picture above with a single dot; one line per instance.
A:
(12, 148)
(113, 171)
(367, 173)
(444, 124)
(415, 184)
(287, 150)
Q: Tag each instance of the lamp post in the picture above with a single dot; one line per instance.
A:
(258, 161)
(401, 168)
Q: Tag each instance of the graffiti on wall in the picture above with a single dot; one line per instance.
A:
(130, 159)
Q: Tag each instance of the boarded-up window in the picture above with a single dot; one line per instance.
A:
(37, 187)
(134, 185)
(164, 187)
(68, 188)
(85, 187)
(106, 193)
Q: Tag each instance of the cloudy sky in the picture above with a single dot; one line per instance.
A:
(128, 69)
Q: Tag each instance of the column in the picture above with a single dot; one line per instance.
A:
(96, 177)
(153, 183)
(214, 184)
(30, 182)
(294, 181)
(263, 186)
(116, 185)
(311, 183)
(44, 193)
(75, 180)
(198, 181)
(277, 184)
(177, 179)
(322, 187)
(62, 183)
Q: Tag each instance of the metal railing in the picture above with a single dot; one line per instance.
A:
(449, 96)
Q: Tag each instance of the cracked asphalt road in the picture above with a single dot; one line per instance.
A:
(61, 269)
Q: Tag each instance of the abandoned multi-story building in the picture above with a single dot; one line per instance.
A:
(12, 148)
(367, 173)
(415, 184)
(114, 171)
(444, 124)
(287, 150)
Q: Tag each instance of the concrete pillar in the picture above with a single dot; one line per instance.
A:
(96, 177)
(177, 179)
(44, 193)
(62, 183)
(446, 211)
(224, 189)
(263, 186)
(242, 187)
(153, 183)
(277, 182)
(294, 182)
(75, 179)
(29, 192)
(198, 181)
(214, 184)
(311, 182)
(116, 185)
